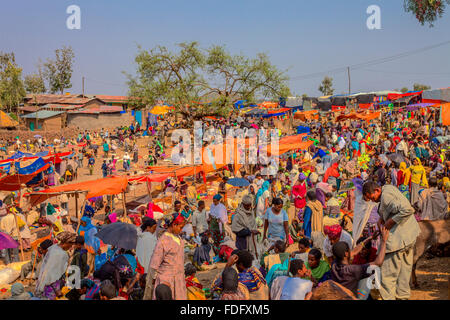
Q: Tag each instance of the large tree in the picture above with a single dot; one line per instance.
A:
(201, 82)
(326, 87)
(12, 90)
(58, 71)
(426, 11)
(404, 90)
(420, 87)
(34, 83)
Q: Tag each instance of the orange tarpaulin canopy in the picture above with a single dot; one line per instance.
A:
(445, 111)
(95, 188)
(289, 143)
(268, 104)
(307, 115)
(278, 110)
(367, 117)
(13, 182)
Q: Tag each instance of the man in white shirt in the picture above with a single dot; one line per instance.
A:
(293, 288)
(200, 219)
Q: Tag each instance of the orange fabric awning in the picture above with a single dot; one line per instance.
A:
(446, 114)
(307, 115)
(13, 182)
(95, 188)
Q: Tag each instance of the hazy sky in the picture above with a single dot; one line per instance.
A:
(302, 36)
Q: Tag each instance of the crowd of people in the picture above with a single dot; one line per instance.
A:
(333, 213)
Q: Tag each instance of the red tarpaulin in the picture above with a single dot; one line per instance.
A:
(395, 96)
(95, 188)
(13, 182)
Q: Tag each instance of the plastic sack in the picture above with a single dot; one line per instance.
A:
(8, 275)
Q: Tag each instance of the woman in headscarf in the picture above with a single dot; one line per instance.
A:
(18, 292)
(244, 225)
(418, 179)
(91, 242)
(167, 262)
(332, 175)
(191, 195)
(262, 199)
(146, 243)
(299, 194)
(313, 217)
(252, 193)
(403, 179)
(52, 272)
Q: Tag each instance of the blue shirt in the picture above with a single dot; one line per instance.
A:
(276, 223)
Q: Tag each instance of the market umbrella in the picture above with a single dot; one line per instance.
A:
(37, 136)
(238, 182)
(6, 242)
(397, 158)
(119, 234)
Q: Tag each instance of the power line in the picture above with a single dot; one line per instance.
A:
(372, 62)
(409, 73)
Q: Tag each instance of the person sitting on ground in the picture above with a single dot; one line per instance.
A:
(108, 291)
(26, 269)
(203, 254)
(320, 269)
(249, 275)
(163, 292)
(347, 274)
(18, 292)
(232, 288)
(296, 287)
(304, 246)
(368, 252)
(334, 234)
(278, 257)
(193, 286)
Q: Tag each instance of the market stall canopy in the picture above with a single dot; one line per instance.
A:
(445, 114)
(307, 115)
(395, 96)
(94, 188)
(14, 182)
(356, 115)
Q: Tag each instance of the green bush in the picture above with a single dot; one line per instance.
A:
(13, 116)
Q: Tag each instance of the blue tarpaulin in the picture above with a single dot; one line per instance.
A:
(302, 129)
(6, 167)
(320, 154)
(20, 154)
(32, 168)
(274, 115)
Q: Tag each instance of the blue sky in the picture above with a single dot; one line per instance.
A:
(301, 36)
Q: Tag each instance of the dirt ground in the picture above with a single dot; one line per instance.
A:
(433, 274)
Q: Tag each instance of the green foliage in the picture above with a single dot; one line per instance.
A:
(203, 82)
(404, 90)
(420, 87)
(58, 72)
(34, 83)
(426, 11)
(13, 116)
(12, 90)
(326, 87)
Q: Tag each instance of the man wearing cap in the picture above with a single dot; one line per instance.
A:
(396, 215)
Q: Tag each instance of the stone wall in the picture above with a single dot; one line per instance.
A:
(98, 121)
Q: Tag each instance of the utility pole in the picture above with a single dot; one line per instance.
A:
(83, 85)
(349, 81)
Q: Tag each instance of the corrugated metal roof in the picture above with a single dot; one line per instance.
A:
(100, 109)
(42, 114)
